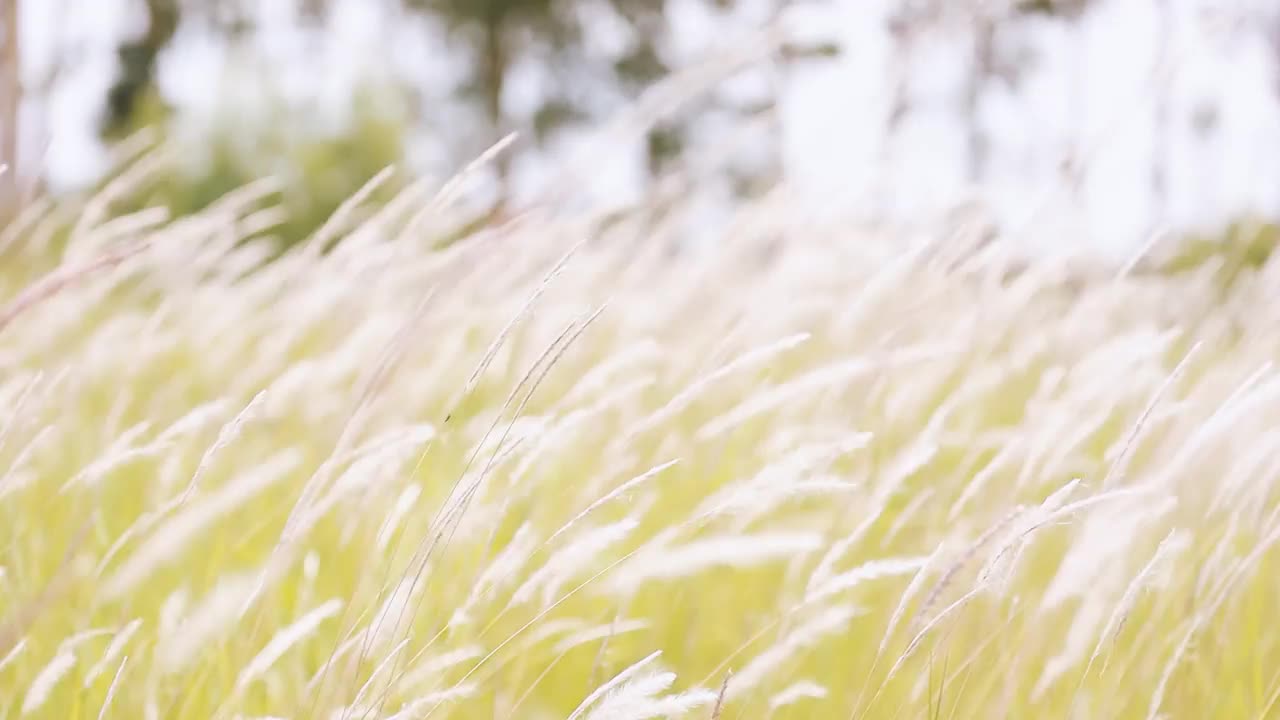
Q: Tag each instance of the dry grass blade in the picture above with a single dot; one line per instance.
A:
(65, 277)
(724, 688)
(373, 478)
(22, 616)
(111, 691)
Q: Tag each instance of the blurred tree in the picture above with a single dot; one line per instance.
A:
(496, 35)
(1071, 9)
(133, 93)
(318, 168)
(137, 59)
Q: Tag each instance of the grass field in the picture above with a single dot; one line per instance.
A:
(550, 472)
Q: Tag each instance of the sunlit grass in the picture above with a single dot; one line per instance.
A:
(529, 477)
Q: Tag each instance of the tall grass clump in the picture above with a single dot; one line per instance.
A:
(557, 470)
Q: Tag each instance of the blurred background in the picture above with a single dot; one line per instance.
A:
(1078, 123)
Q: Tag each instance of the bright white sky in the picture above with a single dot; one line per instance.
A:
(1093, 90)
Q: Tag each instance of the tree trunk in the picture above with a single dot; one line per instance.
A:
(10, 106)
(1163, 134)
(983, 61)
(494, 76)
